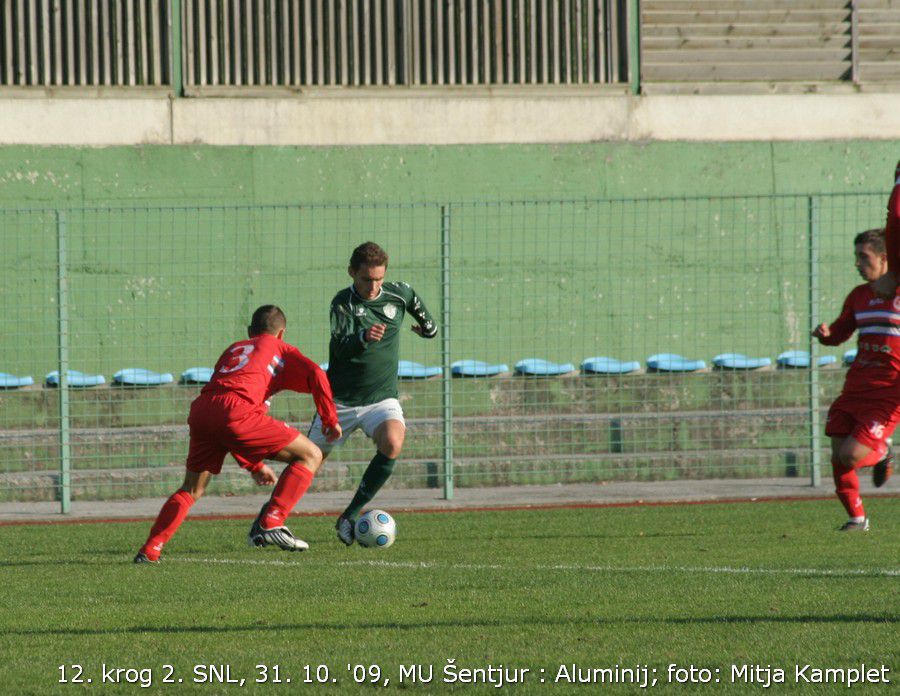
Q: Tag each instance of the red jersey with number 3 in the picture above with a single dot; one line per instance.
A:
(259, 367)
(877, 363)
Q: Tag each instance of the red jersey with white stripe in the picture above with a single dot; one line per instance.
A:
(877, 319)
(264, 365)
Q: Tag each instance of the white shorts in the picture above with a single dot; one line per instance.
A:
(352, 417)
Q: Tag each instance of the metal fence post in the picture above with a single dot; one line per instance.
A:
(814, 424)
(634, 46)
(176, 49)
(62, 284)
(447, 383)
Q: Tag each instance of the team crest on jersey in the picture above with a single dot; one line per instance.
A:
(390, 311)
(360, 311)
(897, 303)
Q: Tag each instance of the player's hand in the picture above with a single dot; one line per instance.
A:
(821, 331)
(375, 333)
(264, 476)
(333, 433)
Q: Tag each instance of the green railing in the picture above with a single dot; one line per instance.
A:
(166, 289)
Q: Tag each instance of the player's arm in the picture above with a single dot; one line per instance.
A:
(426, 326)
(840, 329)
(301, 374)
(347, 339)
(892, 227)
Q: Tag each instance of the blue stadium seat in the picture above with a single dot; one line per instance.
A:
(139, 377)
(75, 379)
(800, 358)
(739, 361)
(476, 368)
(536, 367)
(197, 375)
(8, 381)
(324, 366)
(406, 369)
(849, 357)
(608, 366)
(671, 362)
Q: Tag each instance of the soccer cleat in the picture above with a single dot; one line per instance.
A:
(851, 526)
(282, 537)
(882, 471)
(143, 558)
(345, 533)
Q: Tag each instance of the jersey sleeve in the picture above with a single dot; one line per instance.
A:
(300, 374)
(892, 227)
(346, 339)
(843, 327)
(418, 311)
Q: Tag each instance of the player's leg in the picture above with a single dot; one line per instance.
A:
(844, 451)
(385, 424)
(303, 459)
(172, 514)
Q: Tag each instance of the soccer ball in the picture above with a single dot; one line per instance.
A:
(376, 529)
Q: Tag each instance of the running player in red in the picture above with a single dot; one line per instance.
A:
(863, 417)
(230, 415)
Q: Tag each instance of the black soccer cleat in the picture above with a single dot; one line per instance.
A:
(143, 558)
(882, 471)
(277, 536)
(345, 530)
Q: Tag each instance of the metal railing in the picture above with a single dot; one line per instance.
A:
(167, 289)
(85, 43)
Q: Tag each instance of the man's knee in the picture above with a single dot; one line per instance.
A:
(391, 446)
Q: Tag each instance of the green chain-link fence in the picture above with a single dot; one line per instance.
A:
(167, 289)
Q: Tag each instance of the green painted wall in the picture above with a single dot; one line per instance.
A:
(261, 175)
(166, 283)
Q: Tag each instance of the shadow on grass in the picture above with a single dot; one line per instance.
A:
(428, 625)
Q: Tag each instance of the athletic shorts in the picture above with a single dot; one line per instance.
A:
(222, 424)
(868, 421)
(352, 417)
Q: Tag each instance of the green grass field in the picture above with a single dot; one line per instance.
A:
(708, 586)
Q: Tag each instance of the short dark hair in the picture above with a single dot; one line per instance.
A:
(368, 254)
(267, 319)
(874, 238)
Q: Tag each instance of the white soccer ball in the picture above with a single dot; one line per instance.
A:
(376, 529)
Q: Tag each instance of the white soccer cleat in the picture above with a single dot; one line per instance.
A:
(852, 526)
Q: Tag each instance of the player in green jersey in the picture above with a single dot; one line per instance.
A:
(366, 320)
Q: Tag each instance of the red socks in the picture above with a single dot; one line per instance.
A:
(846, 485)
(291, 486)
(169, 519)
(846, 482)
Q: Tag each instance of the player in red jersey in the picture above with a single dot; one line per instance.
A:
(863, 417)
(230, 415)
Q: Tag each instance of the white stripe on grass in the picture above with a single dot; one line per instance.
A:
(818, 572)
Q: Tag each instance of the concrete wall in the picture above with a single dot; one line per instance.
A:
(407, 117)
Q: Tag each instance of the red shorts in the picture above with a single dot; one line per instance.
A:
(223, 424)
(868, 421)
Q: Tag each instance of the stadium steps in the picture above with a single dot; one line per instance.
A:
(746, 41)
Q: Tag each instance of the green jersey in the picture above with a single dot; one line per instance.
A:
(364, 373)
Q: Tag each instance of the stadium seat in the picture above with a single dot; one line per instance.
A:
(671, 362)
(8, 381)
(406, 369)
(139, 377)
(849, 357)
(608, 366)
(324, 366)
(476, 368)
(800, 358)
(739, 361)
(536, 367)
(196, 375)
(75, 379)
